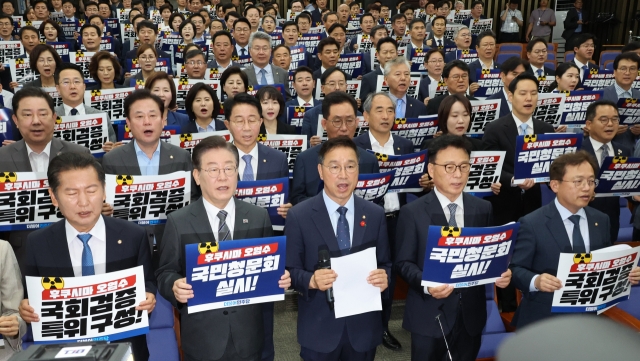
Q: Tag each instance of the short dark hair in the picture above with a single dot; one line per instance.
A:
(405, 7)
(336, 98)
(67, 161)
(93, 3)
(511, 64)
(385, 40)
(30, 92)
(632, 46)
(66, 66)
(295, 1)
(432, 52)
(244, 98)
(445, 141)
(416, 21)
(398, 16)
(326, 42)
(210, 143)
(366, 15)
(335, 26)
(445, 109)
(166, 6)
(185, 23)
(483, 35)
(455, 64)
(87, 26)
(629, 55)
(288, 24)
(583, 38)
(476, 2)
(191, 96)
(141, 94)
(39, 49)
(327, 73)
(524, 76)
(302, 69)
(558, 167)
(438, 17)
(147, 24)
(235, 14)
(304, 15)
(224, 26)
(26, 28)
(337, 142)
(593, 107)
(192, 54)
(375, 29)
(231, 71)
(173, 17)
(196, 15)
(95, 63)
(533, 43)
(326, 16)
(161, 75)
(281, 46)
(241, 20)
(249, 8)
(221, 33)
(59, 30)
(271, 93)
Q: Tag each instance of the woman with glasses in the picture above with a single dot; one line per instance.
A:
(203, 107)
(273, 109)
(44, 59)
(163, 86)
(147, 57)
(233, 81)
(104, 68)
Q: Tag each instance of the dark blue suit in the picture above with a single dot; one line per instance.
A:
(425, 48)
(293, 102)
(541, 239)
(309, 229)
(421, 309)
(369, 83)
(504, 106)
(317, 74)
(305, 172)
(423, 92)
(589, 65)
(414, 108)
(608, 205)
(446, 44)
(473, 68)
(451, 56)
(179, 119)
(310, 121)
(367, 62)
(627, 138)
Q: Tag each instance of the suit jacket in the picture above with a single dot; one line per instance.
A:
(281, 128)
(294, 102)
(123, 160)
(317, 74)
(434, 104)
(280, 76)
(89, 110)
(407, 54)
(447, 42)
(310, 121)
(126, 247)
(504, 106)
(366, 59)
(414, 108)
(133, 54)
(213, 64)
(609, 93)
(541, 239)
(474, 66)
(272, 163)
(369, 83)
(305, 172)
(547, 71)
(476, 143)
(412, 234)
(590, 65)
(190, 127)
(205, 334)
(626, 139)
(179, 119)
(11, 293)
(571, 22)
(309, 229)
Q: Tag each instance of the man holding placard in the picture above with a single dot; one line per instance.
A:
(566, 225)
(461, 312)
(86, 243)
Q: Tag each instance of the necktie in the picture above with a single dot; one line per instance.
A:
(306, 105)
(584, 69)
(244, 51)
(439, 43)
(247, 175)
(523, 128)
(400, 109)
(539, 72)
(74, 111)
(452, 214)
(223, 231)
(578, 241)
(604, 154)
(263, 78)
(342, 233)
(87, 256)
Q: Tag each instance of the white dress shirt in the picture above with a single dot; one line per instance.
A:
(239, 49)
(97, 243)
(529, 125)
(67, 109)
(444, 203)
(332, 209)
(268, 75)
(433, 87)
(254, 161)
(39, 161)
(535, 70)
(597, 149)
(435, 41)
(580, 65)
(214, 221)
(391, 201)
(302, 102)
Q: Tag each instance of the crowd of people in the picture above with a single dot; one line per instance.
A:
(249, 99)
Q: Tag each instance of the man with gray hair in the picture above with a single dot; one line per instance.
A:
(260, 72)
(379, 111)
(462, 38)
(397, 74)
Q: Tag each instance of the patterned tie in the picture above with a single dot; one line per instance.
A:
(263, 79)
(342, 233)
(604, 154)
(223, 231)
(523, 128)
(452, 214)
(247, 175)
(74, 111)
(400, 109)
(87, 256)
(578, 241)
(539, 71)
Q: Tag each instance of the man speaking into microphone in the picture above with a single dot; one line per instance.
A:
(332, 224)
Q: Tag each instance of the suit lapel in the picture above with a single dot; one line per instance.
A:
(242, 222)
(166, 159)
(114, 248)
(20, 157)
(358, 217)
(130, 159)
(469, 213)
(434, 210)
(557, 228)
(263, 163)
(60, 248)
(56, 148)
(512, 132)
(200, 222)
(323, 224)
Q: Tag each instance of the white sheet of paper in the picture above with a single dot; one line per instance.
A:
(352, 293)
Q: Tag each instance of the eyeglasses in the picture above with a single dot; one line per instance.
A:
(5, 24)
(240, 122)
(263, 49)
(624, 69)
(465, 35)
(605, 120)
(147, 58)
(438, 61)
(194, 63)
(588, 46)
(582, 182)
(337, 85)
(337, 169)
(338, 123)
(45, 61)
(67, 83)
(451, 168)
(214, 173)
(458, 77)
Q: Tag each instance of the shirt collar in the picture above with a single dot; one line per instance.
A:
(535, 69)
(444, 201)
(597, 145)
(404, 98)
(98, 230)
(529, 122)
(213, 210)
(79, 108)
(253, 152)
(332, 207)
(267, 68)
(578, 63)
(565, 213)
(374, 141)
(141, 152)
(302, 101)
(621, 91)
(46, 150)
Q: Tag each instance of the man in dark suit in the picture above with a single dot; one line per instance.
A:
(574, 23)
(146, 154)
(338, 120)
(86, 243)
(436, 38)
(418, 34)
(537, 50)
(566, 225)
(35, 150)
(462, 38)
(486, 48)
(232, 333)
(602, 124)
(584, 46)
(456, 75)
(510, 69)
(305, 85)
(387, 49)
(328, 56)
(379, 112)
(463, 310)
(397, 74)
(341, 223)
(377, 33)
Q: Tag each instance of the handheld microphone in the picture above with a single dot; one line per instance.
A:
(324, 262)
(444, 336)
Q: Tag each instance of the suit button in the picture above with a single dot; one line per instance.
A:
(225, 313)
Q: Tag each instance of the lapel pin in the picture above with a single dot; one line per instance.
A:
(363, 223)
(171, 156)
(119, 241)
(245, 221)
(619, 151)
(596, 224)
(264, 160)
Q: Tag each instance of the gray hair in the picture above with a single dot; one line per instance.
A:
(458, 2)
(369, 101)
(458, 30)
(259, 35)
(400, 60)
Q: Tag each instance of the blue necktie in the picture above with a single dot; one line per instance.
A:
(452, 214)
(523, 128)
(247, 175)
(74, 111)
(578, 241)
(263, 79)
(539, 72)
(87, 256)
(342, 233)
(400, 109)
(223, 230)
